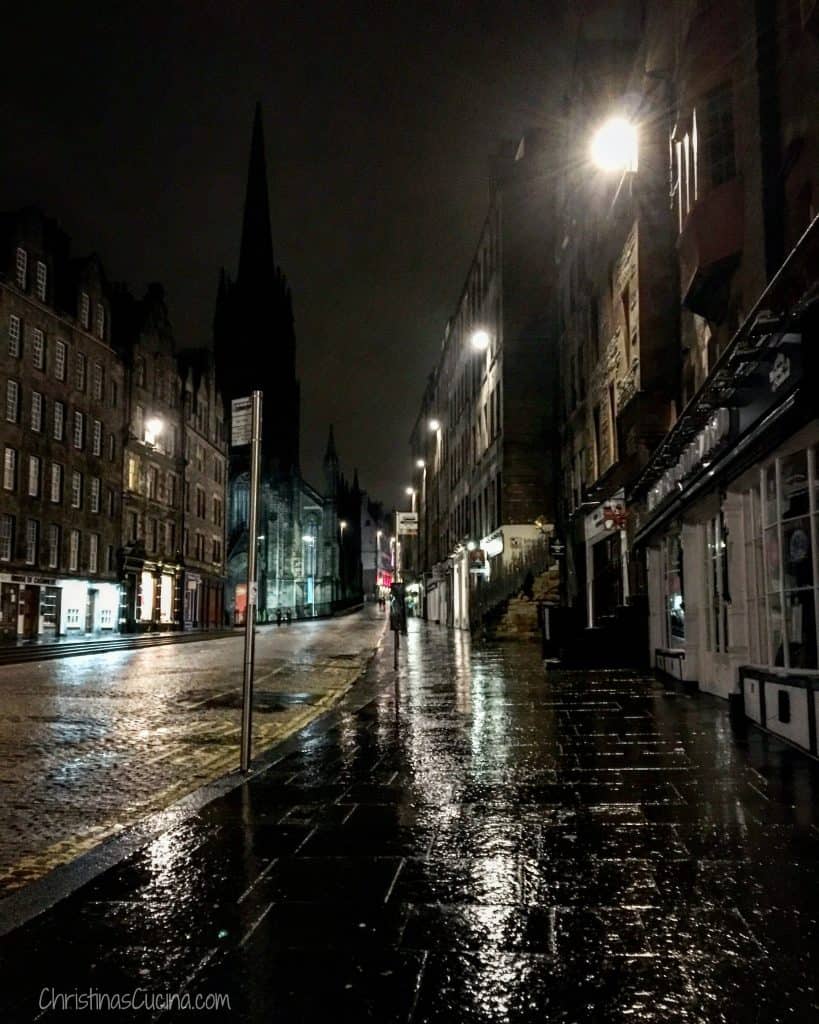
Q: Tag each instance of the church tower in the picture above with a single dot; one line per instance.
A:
(254, 336)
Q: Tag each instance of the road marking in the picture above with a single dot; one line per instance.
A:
(263, 874)
(256, 923)
(395, 879)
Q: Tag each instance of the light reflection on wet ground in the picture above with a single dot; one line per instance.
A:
(497, 845)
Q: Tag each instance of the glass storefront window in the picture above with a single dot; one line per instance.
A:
(147, 594)
(789, 552)
(674, 603)
(717, 585)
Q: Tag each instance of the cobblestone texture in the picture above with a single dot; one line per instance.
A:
(91, 744)
(483, 842)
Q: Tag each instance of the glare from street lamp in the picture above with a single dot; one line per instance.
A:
(471, 545)
(419, 463)
(153, 428)
(614, 146)
(434, 424)
(410, 491)
(309, 538)
(342, 523)
(480, 340)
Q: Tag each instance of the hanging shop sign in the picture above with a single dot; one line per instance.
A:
(407, 523)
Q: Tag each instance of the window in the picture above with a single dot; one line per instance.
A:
(99, 322)
(12, 401)
(76, 489)
(718, 596)
(201, 509)
(133, 526)
(6, 537)
(32, 536)
(53, 546)
(140, 373)
(96, 438)
(42, 280)
(613, 422)
(114, 394)
(112, 447)
(216, 550)
(60, 359)
(153, 482)
(38, 349)
(21, 267)
(80, 363)
(200, 458)
(112, 502)
(9, 469)
(56, 483)
(674, 604)
(85, 309)
(139, 423)
(14, 336)
(36, 411)
(33, 476)
(59, 421)
(79, 429)
(98, 382)
(74, 551)
(133, 473)
(717, 141)
(789, 523)
(217, 512)
(152, 535)
(93, 552)
(170, 490)
(95, 494)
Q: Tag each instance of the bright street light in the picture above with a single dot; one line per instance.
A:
(471, 545)
(342, 525)
(614, 146)
(309, 539)
(419, 463)
(153, 428)
(410, 491)
(434, 424)
(480, 340)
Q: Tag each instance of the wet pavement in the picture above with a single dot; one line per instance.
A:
(488, 842)
(91, 744)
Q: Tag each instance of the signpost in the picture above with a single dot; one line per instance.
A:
(407, 524)
(246, 428)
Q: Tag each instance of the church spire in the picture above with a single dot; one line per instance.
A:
(256, 266)
(331, 455)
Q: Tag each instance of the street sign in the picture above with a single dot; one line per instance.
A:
(241, 419)
(407, 523)
(557, 549)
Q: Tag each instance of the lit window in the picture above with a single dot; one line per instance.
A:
(60, 359)
(9, 469)
(53, 546)
(85, 309)
(59, 421)
(32, 534)
(6, 537)
(14, 336)
(56, 483)
(76, 489)
(12, 401)
(74, 552)
(79, 429)
(93, 552)
(98, 380)
(21, 267)
(38, 349)
(80, 371)
(33, 476)
(96, 438)
(146, 591)
(42, 279)
(36, 411)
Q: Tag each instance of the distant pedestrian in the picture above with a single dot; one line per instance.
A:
(278, 616)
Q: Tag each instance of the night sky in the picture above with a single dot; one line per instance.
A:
(130, 123)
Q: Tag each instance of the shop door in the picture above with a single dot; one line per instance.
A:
(51, 610)
(8, 611)
(608, 577)
(90, 611)
(31, 611)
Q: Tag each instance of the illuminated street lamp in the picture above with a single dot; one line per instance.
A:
(410, 491)
(614, 145)
(420, 464)
(434, 424)
(342, 525)
(480, 340)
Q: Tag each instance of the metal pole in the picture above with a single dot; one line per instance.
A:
(252, 586)
(395, 651)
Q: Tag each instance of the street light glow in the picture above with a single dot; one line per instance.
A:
(614, 146)
(480, 340)
(471, 545)
(434, 424)
(420, 464)
(308, 539)
(410, 491)
(153, 428)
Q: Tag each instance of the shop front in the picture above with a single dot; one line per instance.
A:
(730, 524)
(152, 594)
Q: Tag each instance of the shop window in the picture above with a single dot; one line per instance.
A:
(783, 706)
(789, 531)
(674, 603)
(718, 593)
(147, 597)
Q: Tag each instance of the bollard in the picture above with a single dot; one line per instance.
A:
(395, 650)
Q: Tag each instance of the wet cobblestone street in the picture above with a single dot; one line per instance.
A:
(485, 842)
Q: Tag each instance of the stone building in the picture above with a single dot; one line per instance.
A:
(255, 348)
(153, 465)
(205, 502)
(619, 345)
(483, 445)
(62, 422)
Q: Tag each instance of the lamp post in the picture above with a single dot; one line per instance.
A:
(614, 145)
(342, 526)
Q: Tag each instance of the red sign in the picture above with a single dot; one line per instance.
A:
(383, 579)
